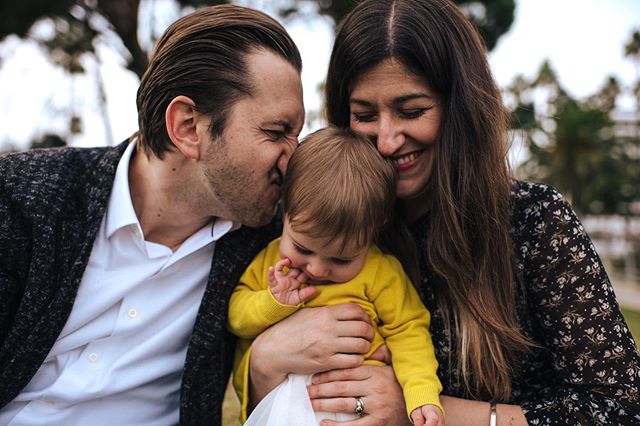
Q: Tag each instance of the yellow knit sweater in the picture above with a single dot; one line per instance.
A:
(382, 289)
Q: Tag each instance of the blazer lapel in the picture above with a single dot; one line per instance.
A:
(78, 232)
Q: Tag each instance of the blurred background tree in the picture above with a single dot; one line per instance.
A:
(581, 148)
(75, 29)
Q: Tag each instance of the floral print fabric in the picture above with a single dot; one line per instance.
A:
(587, 368)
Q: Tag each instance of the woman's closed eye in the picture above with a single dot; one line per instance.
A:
(413, 113)
(362, 117)
(409, 114)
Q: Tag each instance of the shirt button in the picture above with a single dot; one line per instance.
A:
(138, 233)
(132, 313)
(49, 401)
(93, 357)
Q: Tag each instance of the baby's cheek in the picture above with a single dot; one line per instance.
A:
(295, 263)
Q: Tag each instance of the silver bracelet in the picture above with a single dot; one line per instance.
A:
(493, 418)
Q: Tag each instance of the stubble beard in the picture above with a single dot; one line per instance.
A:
(238, 190)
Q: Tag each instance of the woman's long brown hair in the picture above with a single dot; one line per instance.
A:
(468, 245)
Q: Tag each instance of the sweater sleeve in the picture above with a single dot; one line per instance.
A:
(241, 375)
(252, 307)
(594, 357)
(405, 328)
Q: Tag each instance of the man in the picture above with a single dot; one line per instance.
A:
(112, 310)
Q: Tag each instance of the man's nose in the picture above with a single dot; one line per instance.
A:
(288, 149)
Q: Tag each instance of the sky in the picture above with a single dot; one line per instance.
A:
(583, 39)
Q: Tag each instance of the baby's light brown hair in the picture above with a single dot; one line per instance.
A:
(338, 187)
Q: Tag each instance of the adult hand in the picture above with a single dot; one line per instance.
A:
(336, 391)
(307, 342)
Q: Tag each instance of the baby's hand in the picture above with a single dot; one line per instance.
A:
(285, 284)
(427, 415)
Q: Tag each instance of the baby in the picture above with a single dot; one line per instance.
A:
(338, 195)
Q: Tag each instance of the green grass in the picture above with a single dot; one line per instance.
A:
(230, 408)
(633, 321)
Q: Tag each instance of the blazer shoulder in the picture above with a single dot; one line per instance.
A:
(49, 177)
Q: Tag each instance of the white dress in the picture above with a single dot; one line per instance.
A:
(289, 405)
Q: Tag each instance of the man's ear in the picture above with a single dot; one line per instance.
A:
(180, 118)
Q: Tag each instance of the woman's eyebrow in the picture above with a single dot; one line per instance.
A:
(396, 101)
(404, 98)
(360, 102)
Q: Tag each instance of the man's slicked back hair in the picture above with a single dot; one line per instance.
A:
(203, 56)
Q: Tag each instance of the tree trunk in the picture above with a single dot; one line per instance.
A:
(123, 15)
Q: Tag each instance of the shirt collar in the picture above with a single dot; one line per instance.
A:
(120, 212)
(220, 227)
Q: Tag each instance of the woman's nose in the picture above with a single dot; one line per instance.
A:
(389, 138)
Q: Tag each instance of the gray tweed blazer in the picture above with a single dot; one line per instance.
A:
(51, 204)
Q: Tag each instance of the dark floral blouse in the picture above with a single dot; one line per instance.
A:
(587, 369)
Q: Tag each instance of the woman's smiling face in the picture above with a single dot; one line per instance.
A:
(397, 110)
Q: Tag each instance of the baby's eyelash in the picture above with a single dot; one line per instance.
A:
(303, 250)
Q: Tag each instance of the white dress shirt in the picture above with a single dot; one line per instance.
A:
(119, 359)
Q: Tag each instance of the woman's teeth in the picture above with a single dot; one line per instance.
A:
(406, 158)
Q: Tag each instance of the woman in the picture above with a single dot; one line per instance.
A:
(523, 314)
